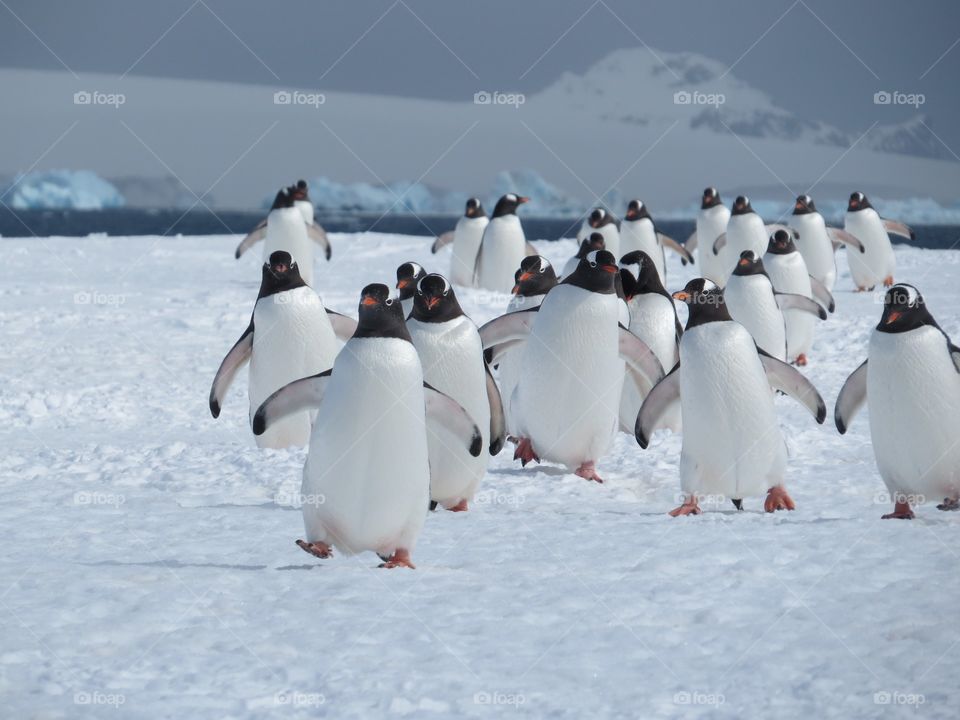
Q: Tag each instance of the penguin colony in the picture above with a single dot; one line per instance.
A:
(402, 407)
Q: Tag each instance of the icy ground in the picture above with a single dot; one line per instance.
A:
(149, 569)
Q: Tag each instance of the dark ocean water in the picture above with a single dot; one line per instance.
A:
(129, 221)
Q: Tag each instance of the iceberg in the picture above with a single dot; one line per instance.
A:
(62, 190)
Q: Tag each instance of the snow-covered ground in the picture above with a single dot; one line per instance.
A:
(149, 568)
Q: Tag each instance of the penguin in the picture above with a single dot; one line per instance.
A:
(653, 319)
(911, 380)
(787, 271)
(567, 400)
(816, 241)
(877, 263)
(601, 221)
(301, 201)
(589, 244)
(755, 303)
(745, 231)
(502, 246)
(711, 224)
(466, 238)
(732, 445)
(408, 275)
(368, 451)
(290, 335)
(452, 357)
(638, 232)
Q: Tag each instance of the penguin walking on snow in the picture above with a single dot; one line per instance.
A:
(601, 221)
(711, 224)
(408, 275)
(452, 357)
(817, 242)
(466, 238)
(745, 231)
(877, 263)
(290, 335)
(911, 380)
(368, 450)
(732, 445)
(502, 246)
(638, 232)
(588, 245)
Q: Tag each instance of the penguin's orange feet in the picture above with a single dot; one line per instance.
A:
(459, 507)
(689, 507)
(801, 360)
(861, 289)
(888, 281)
(778, 499)
(317, 549)
(400, 558)
(901, 511)
(588, 471)
(525, 452)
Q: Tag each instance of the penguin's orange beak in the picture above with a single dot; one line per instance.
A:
(432, 302)
(893, 317)
(799, 205)
(681, 295)
(522, 199)
(743, 262)
(610, 268)
(369, 300)
(403, 284)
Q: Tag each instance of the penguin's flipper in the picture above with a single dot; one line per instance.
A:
(343, 326)
(442, 241)
(851, 398)
(821, 294)
(531, 250)
(445, 413)
(792, 301)
(319, 236)
(498, 425)
(511, 326)
(656, 405)
(303, 394)
(719, 243)
(495, 353)
(691, 243)
(642, 365)
(776, 227)
(954, 354)
(238, 356)
(789, 381)
(842, 237)
(898, 228)
(669, 242)
(252, 238)
(476, 264)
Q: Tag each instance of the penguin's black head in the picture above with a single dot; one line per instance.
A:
(597, 272)
(858, 201)
(749, 264)
(588, 245)
(705, 301)
(535, 276)
(636, 210)
(474, 208)
(639, 275)
(380, 314)
(508, 204)
(711, 198)
(408, 275)
(904, 309)
(280, 273)
(741, 206)
(599, 217)
(280, 263)
(804, 205)
(435, 300)
(284, 199)
(299, 191)
(781, 243)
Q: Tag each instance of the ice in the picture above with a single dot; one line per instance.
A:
(62, 189)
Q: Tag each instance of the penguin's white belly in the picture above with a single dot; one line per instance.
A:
(504, 247)
(913, 394)
(752, 304)
(570, 266)
(287, 231)
(641, 235)
(452, 359)
(292, 339)
(366, 483)
(711, 224)
(732, 444)
(508, 374)
(568, 397)
(466, 244)
(610, 233)
(877, 261)
(816, 247)
(652, 320)
(788, 273)
(745, 232)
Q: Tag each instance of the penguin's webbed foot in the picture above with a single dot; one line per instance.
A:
(778, 499)
(949, 504)
(459, 507)
(525, 452)
(888, 281)
(588, 471)
(317, 549)
(801, 360)
(689, 507)
(400, 558)
(901, 511)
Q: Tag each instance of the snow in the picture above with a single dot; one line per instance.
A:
(62, 189)
(149, 568)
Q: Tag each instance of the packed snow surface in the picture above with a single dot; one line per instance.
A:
(149, 567)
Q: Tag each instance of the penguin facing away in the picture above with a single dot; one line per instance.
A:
(466, 238)
(639, 232)
(711, 224)
(600, 220)
(732, 446)
(877, 263)
(911, 380)
(588, 245)
(368, 450)
(408, 275)
(502, 246)
(290, 335)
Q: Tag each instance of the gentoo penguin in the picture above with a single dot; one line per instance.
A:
(745, 231)
(816, 242)
(567, 400)
(877, 263)
(452, 357)
(466, 237)
(502, 247)
(588, 245)
(603, 222)
(788, 272)
(368, 450)
(408, 275)
(638, 232)
(755, 303)
(653, 319)
(711, 224)
(290, 335)
(911, 379)
(732, 446)
(281, 231)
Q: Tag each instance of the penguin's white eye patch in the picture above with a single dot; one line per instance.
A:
(592, 258)
(388, 302)
(543, 265)
(511, 197)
